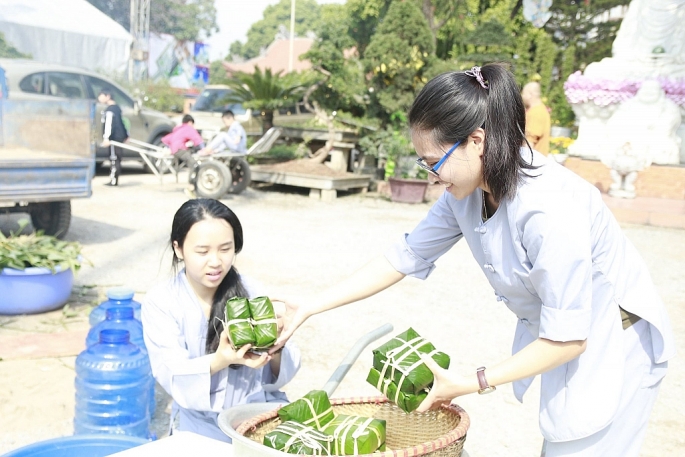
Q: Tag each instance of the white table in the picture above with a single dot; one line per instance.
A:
(180, 444)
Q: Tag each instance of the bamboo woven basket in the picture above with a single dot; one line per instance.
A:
(439, 433)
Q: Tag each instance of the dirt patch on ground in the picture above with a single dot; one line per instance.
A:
(304, 166)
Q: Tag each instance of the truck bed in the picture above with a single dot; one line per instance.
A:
(47, 150)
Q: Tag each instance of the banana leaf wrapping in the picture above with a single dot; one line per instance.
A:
(354, 435)
(263, 322)
(295, 438)
(400, 360)
(406, 402)
(238, 318)
(314, 409)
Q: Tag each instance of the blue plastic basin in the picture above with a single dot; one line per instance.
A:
(78, 446)
(33, 290)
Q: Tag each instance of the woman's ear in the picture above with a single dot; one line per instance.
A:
(477, 140)
(177, 250)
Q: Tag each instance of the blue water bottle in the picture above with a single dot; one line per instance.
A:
(113, 387)
(121, 317)
(116, 296)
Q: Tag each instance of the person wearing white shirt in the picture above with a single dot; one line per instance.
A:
(189, 349)
(590, 321)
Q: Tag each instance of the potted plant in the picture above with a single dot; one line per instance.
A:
(36, 271)
(558, 148)
(407, 182)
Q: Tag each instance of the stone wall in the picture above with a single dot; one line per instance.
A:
(657, 181)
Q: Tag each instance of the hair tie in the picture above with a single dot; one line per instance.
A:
(475, 72)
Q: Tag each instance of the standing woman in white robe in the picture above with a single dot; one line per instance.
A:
(589, 319)
(190, 354)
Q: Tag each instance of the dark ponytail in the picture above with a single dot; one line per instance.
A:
(454, 104)
(189, 214)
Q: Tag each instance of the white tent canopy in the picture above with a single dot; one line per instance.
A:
(68, 32)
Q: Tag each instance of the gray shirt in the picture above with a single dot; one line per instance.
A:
(557, 258)
(235, 139)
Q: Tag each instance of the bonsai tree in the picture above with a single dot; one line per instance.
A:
(264, 91)
(392, 145)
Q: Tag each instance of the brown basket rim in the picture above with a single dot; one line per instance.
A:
(420, 449)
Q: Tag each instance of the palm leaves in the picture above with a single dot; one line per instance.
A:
(262, 90)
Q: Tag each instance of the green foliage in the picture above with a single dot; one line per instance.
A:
(392, 144)
(285, 152)
(38, 250)
(161, 96)
(262, 90)
(158, 95)
(545, 57)
(580, 24)
(397, 54)
(10, 52)
(262, 33)
(346, 88)
(186, 20)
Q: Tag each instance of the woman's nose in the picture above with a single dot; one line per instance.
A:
(433, 179)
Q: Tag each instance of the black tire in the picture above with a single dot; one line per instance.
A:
(53, 218)
(240, 175)
(213, 179)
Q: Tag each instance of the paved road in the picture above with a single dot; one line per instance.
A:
(294, 244)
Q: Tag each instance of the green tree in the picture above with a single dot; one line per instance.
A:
(10, 52)
(186, 20)
(333, 52)
(264, 91)
(263, 32)
(397, 56)
(580, 24)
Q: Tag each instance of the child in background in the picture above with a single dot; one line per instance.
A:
(182, 134)
(189, 350)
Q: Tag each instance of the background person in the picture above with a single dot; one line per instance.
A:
(189, 350)
(114, 130)
(538, 122)
(234, 140)
(183, 134)
(589, 319)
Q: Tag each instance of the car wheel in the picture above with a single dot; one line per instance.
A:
(53, 218)
(213, 179)
(240, 175)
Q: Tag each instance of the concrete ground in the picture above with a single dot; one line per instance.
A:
(294, 244)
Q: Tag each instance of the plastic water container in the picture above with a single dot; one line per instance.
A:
(78, 446)
(113, 387)
(121, 317)
(116, 296)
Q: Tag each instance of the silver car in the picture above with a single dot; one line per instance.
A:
(31, 80)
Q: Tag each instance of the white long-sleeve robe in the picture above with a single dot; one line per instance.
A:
(175, 330)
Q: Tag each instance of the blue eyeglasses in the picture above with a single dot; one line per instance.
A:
(434, 169)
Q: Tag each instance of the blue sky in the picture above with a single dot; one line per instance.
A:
(235, 18)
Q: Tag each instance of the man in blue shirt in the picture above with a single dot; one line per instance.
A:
(235, 139)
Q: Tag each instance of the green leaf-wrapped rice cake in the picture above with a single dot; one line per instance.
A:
(295, 438)
(400, 360)
(314, 409)
(354, 435)
(263, 322)
(239, 324)
(406, 402)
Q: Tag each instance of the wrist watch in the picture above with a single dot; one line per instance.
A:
(485, 388)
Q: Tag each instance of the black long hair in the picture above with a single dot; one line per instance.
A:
(189, 214)
(453, 105)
